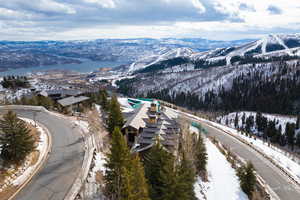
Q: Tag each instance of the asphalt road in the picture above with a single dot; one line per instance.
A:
(61, 169)
(279, 183)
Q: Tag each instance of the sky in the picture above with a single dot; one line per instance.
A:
(92, 19)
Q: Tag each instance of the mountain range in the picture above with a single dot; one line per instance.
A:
(20, 54)
(210, 77)
(269, 48)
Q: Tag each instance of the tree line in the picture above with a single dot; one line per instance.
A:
(269, 130)
(14, 82)
(254, 90)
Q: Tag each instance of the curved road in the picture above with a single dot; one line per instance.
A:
(280, 184)
(64, 163)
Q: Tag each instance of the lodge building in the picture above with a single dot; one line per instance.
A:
(149, 124)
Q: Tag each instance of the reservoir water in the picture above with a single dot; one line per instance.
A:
(84, 67)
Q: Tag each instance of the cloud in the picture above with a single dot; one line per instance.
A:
(103, 3)
(79, 19)
(274, 10)
(246, 7)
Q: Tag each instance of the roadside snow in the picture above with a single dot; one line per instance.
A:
(223, 181)
(93, 187)
(275, 154)
(83, 125)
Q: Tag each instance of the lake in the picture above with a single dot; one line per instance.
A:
(84, 67)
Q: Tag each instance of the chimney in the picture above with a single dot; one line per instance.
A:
(152, 119)
(153, 107)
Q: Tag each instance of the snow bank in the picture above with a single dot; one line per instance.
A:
(125, 106)
(273, 153)
(83, 125)
(92, 187)
(223, 181)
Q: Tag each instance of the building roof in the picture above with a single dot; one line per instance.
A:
(137, 120)
(72, 100)
(62, 92)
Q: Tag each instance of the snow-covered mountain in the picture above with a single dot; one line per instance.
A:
(186, 71)
(269, 48)
(29, 54)
(161, 56)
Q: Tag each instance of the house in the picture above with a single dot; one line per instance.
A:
(135, 123)
(72, 104)
(60, 94)
(150, 124)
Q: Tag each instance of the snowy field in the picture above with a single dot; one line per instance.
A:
(223, 181)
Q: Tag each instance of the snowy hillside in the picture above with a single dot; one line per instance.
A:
(269, 48)
(150, 60)
(185, 78)
(280, 120)
(223, 181)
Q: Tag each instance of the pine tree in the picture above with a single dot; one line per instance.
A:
(298, 140)
(15, 138)
(117, 166)
(103, 99)
(258, 121)
(185, 179)
(236, 120)
(124, 177)
(243, 119)
(200, 156)
(138, 183)
(290, 134)
(247, 178)
(160, 173)
(115, 118)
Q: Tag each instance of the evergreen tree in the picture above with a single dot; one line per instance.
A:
(298, 140)
(236, 120)
(160, 173)
(258, 121)
(243, 119)
(298, 122)
(103, 99)
(185, 180)
(124, 177)
(15, 139)
(249, 123)
(200, 155)
(290, 134)
(247, 178)
(117, 165)
(138, 184)
(115, 118)
(226, 121)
